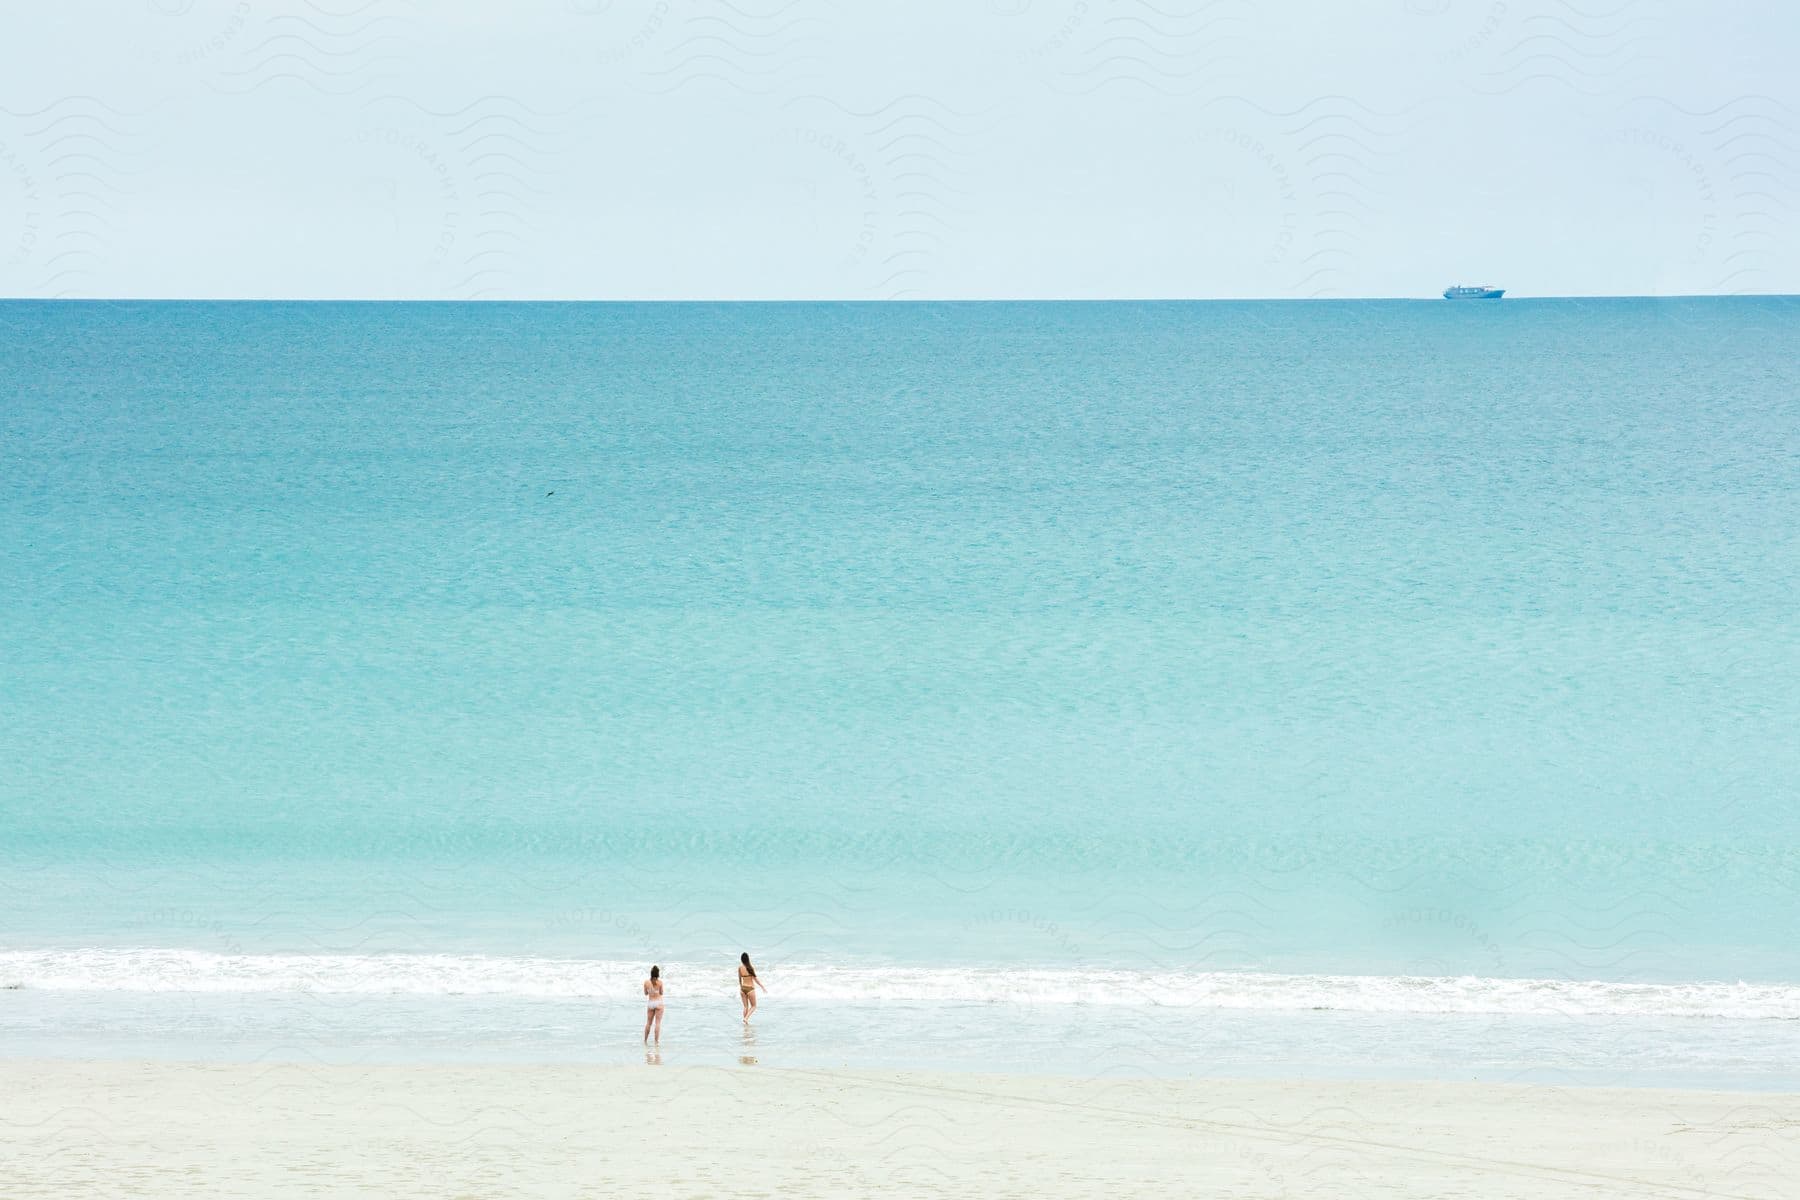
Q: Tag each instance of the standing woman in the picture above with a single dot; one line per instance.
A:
(747, 984)
(653, 999)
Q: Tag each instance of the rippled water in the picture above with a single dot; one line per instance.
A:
(1307, 640)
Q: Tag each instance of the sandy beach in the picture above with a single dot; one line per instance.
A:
(160, 1129)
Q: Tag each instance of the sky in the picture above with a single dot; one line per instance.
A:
(960, 149)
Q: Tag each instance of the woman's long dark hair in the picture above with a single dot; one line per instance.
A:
(745, 959)
(656, 972)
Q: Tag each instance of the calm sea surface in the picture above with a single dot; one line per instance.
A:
(1234, 687)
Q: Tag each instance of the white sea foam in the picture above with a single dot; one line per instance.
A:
(159, 970)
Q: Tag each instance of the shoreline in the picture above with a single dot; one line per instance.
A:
(158, 1128)
(961, 1038)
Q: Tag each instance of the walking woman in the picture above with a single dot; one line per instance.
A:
(747, 984)
(653, 999)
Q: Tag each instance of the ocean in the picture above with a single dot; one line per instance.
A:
(1356, 688)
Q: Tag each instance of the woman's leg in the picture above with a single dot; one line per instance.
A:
(649, 1019)
(657, 1021)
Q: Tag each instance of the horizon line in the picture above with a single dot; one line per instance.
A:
(911, 300)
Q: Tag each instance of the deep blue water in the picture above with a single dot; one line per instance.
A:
(1364, 638)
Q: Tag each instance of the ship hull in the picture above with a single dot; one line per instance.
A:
(1474, 293)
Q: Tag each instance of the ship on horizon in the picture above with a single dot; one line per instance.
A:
(1463, 291)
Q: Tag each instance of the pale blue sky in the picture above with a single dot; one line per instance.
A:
(988, 148)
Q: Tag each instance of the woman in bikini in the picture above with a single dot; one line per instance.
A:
(653, 998)
(747, 984)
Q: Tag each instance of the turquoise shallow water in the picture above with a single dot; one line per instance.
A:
(1152, 644)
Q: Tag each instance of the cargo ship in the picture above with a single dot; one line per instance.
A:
(1463, 291)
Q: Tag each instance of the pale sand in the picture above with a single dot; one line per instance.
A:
(143, 1129)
